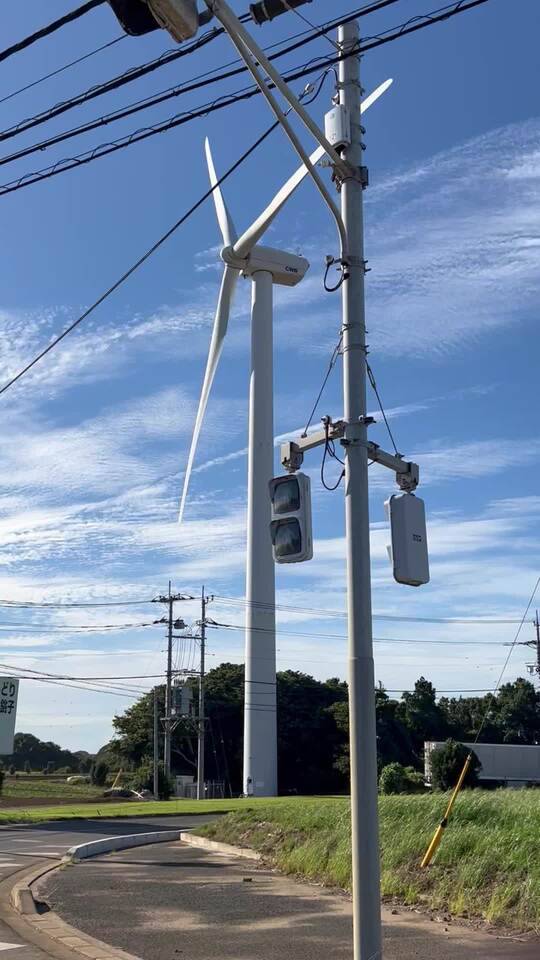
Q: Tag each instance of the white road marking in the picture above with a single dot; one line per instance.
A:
(10, 946)
(7, 863)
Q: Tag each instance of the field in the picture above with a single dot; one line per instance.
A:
(487, 867)
(35, 790)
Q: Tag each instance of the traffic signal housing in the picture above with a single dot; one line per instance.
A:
(290, 527)
(179, 17)
(409, 550)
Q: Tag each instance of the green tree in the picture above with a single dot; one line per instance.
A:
(447, 763)
(99, 774)
(422, 717)
(516, 712)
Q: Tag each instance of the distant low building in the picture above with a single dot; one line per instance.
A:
(508, 763)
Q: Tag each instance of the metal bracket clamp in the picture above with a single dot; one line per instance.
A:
(292, 453)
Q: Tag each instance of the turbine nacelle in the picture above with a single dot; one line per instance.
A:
(287, 269)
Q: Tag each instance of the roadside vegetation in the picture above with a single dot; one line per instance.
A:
(487, 867)
(106, 809)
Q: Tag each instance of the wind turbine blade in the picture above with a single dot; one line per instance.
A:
(226, 225)
(226, 293)
(254, 233)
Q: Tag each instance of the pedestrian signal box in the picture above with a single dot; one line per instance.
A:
(292, 539)
(409, 551)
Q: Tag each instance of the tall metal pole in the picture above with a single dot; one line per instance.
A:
(537, 625)
(260, 725)
(156, 744)
(168, 690)
(200, 739)
(363, 748)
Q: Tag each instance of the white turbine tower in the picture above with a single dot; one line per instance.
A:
(265, 267)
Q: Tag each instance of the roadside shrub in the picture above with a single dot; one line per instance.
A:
(143, 779)
(12, 769)
(99, 774)
(395, 778)
(447, 763)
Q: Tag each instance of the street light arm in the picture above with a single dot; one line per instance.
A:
(251, 53)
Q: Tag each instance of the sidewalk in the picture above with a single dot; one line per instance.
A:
(174, 902)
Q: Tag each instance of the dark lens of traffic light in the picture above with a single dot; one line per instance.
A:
(286, 537)
(287, 496)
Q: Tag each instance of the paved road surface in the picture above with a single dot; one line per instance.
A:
(23, 846)
(172, 902)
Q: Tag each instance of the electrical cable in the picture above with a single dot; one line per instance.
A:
(66, 66)
(331, 365)
(146, 256)
(334, 636)
(196, 83)
(482, 621)
(31, 604)
(135, 73)
(198, 203)
(507, 660)
(50, 28)
(329, 450)
(77, 628)
(102, 150)
(379, 401)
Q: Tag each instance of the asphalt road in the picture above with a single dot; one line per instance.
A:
(23, 846)
(172, 902)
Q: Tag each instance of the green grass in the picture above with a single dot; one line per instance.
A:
(107, 810)
(23, 787)
(488, 865)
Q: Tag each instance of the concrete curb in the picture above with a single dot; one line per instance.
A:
(111, 844)
(214, 846)
(48, 931)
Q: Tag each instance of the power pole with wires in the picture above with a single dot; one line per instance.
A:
(170, 599)
(201, 717)
(156, 744)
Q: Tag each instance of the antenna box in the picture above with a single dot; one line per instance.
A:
(408, 552)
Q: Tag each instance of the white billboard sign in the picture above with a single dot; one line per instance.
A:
(9, 691)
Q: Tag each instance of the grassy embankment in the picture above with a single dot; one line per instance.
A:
(488, 865)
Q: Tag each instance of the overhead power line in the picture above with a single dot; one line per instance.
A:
(49, 28)
(170, 56)
(314, 66)
(29, 604)
(314, 611)
(336, 636)
(66, 66)
(104, 296)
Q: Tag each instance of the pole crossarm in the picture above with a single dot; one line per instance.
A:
(292, 454)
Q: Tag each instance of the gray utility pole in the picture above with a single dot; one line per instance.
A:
(156, 744)
(168, 689)
(170, 599)
(201, 717)
(363, 745)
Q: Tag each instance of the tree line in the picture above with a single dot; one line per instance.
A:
(313, 730)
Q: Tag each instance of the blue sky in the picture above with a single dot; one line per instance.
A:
(95, 440)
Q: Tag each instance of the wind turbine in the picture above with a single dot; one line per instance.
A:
(265, 266)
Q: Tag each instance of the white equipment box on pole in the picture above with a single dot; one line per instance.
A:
(408, 552)
(9, 692)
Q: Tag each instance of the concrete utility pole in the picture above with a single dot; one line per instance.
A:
(201, 717)
(168, 689)
(156, 744)
(170, 599)
(363, 745)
